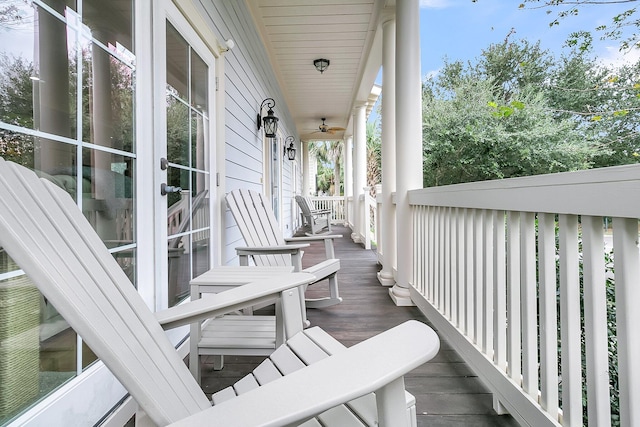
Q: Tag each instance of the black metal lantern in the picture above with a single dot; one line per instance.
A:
(290, 151)
(270, 121)
(321, 64)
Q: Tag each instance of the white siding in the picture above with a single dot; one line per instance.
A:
(249, 80)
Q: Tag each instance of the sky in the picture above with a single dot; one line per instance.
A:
(461, 30)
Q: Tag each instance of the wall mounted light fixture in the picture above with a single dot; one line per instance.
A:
(290, 151)
(321, 64)
(270, 121)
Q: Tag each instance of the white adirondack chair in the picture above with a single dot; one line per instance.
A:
(267, 245)
(44, 232)
(316, 219)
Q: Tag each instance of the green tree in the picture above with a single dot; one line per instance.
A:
(492, 120)
(330, 155)
(623, 26)
(603, 102)
(374, 157)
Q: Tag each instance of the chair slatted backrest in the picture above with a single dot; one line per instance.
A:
(304, 205)
(43, 230)
(257, 224)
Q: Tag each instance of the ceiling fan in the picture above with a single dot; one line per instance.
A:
(324, 128)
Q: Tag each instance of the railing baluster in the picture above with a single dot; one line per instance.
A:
(570, 322)
(513, 294)
(447, 263)
(433, 274)
(477, 280)
(488, 290)
(440, 259)
(548, 314)
(468, 278)
(418, 256)
(430, 249)
(426, 248)
(500, 292)
(627, 273)
(529, 304)
(453, 224)
(462, 319)
(595, 322)
(422, 253)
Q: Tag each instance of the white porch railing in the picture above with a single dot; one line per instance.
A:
(498, 269)
(336, 204)
(339, 205)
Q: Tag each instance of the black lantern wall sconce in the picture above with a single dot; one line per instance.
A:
(270, 120)
(290, 151)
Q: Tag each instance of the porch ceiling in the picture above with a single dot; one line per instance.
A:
(295, 32)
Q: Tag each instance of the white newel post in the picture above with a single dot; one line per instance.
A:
(348, 177)
(360, 170)
(388, 228)
(408, 138)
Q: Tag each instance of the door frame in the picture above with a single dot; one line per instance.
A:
(167, 11)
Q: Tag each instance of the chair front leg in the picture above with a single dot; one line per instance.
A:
(392, 405)
(328, 248)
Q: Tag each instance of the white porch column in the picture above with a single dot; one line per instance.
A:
(306, 188)
(408, 138)
(388, 215)
(348, 176)
(360, 169)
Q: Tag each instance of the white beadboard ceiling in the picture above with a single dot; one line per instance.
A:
(295, 32)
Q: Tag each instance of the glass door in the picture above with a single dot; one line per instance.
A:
(185, 155)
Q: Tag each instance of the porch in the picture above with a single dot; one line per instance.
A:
(447, 391)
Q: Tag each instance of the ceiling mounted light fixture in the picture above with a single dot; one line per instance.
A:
(321, 64)
(270, 120)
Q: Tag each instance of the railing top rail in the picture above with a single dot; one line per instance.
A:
(613, 191)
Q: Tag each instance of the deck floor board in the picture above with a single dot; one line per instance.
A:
(447, 391)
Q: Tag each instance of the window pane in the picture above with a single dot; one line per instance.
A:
(201, 253)
(60, 5)
(177, 131)
(179, 272)
(200, 194)
(107, 196)
(198, 83)
(107, 99)
(177, 64)
(127, 260)
(38, 71)
(199, 146)
(38, 351)
(111, 22)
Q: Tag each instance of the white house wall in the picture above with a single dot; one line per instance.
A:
(249, 79)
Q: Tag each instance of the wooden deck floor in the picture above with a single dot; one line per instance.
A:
(448, 393)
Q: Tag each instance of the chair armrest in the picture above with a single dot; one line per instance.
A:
(270, 250)
(328, 242)
(312, 238)
(358, 370)
(231, 300)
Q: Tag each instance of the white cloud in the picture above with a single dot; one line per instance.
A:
(432, 73)
(434, 4)
(612, 56)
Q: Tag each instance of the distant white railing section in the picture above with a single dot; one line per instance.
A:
(333, 203)
(341, 207)
(497, 269)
